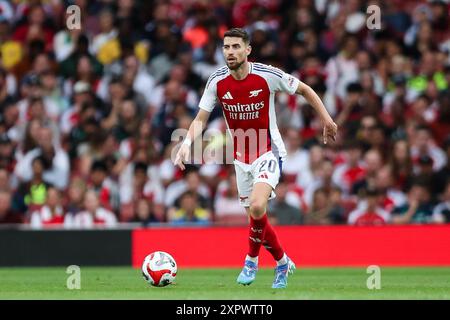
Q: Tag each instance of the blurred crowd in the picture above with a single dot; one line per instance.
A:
(86, 115)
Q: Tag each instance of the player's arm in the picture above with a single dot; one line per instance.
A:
(195, 129)
(329, 127)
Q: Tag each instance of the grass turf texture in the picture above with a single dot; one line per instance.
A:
(306, 283)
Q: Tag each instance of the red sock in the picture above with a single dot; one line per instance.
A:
(256, 235)
(272, 244)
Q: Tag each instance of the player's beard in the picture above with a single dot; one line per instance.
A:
(235, 66)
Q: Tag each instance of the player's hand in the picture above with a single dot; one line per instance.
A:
(329, 131)
(182, 156)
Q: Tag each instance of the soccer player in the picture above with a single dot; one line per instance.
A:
(246, 92)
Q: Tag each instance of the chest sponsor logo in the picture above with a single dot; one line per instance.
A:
(240, 111)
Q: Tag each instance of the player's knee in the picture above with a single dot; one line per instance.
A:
(257, 208)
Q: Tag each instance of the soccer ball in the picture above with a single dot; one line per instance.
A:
(159, 269)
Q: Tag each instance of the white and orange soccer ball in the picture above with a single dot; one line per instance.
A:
(159, 269)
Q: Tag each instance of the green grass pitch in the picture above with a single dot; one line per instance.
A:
(306, 283)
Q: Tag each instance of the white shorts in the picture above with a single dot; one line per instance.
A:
(267, 168)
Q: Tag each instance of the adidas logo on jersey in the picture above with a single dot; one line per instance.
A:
(263, 176)
(227, 96)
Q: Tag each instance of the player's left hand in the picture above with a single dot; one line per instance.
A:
(329, 131)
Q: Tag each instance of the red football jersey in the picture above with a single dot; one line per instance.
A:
(248, 106)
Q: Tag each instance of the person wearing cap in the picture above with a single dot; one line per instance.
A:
(82, 94)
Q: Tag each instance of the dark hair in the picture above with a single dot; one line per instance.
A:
(425, 97)
(238, 33)
(354, 87)
(99, 165)
(423, 127)
(371, 192)
(43, 161)
(140, 166)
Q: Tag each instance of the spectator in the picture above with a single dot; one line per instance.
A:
(106, 40)
(365, 131)
(5, 96)
(75, 196)
(138, 78)
(441, 213)
(442, 176)
(144, 213)
(68, 67)
(51, 214)
(142, 140)
(189, 210)
(100, 145)
(34, 27)
(350, 172)
(191, 182)
(352, 109)
(401, 163)
(5, 179)
(107, 190)
(281, 211)
(372, 214)
(82, 96)
(93, 215)
(326, 208)
(312, 170)
(31, 196)
(296, 162)
(391, 195)
(34, 94)
(7, 214)
(57, 171)
(323, 180)
(128, 120)
(441, 127)
(342, 69)
(7, 150)
(423, 144)
(226, 204)
(135, 185)
(418, 208)
(373, 162)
